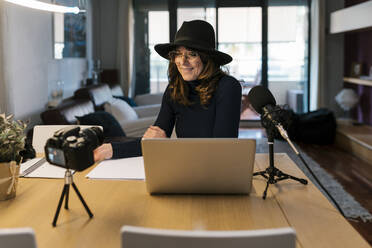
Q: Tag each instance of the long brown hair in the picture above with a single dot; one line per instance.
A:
(209, 78)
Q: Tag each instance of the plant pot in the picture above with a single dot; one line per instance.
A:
(9, 173)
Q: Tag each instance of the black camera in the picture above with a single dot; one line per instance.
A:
(72, 147)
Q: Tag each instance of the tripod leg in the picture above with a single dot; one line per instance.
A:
(67, 194)
(261, 173)
(286, 176)
(82, 200)
(59, 205)
(265, 192)
(301, 180)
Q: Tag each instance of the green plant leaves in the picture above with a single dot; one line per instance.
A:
(12, 138)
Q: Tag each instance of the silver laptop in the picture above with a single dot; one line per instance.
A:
(199, 165)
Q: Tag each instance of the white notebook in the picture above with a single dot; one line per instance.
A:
(40, 168)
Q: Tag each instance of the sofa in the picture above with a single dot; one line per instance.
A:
(134, 120)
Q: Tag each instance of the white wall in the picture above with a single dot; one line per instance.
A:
(3, 98)
(72, 71)
(26, 37)
(28, 66)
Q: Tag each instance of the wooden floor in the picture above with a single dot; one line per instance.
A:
(354, 174)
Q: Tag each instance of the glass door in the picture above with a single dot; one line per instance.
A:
(158, 31)
(288, 55)
(240, 36)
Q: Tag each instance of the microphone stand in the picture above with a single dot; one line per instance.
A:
(273, 174)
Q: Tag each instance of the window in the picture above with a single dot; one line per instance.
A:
(243, 42)
(188, 14)
(288, 55)
(269, 49)
(158, 30)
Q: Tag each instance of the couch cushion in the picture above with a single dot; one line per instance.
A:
(121, 110)
(111, 127)
(137, 128)
(116, 90)
(98, 94)
(129, 100)
(147, 110)
(66, 112)
(147, 99)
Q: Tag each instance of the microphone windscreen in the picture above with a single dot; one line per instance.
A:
(259, 97)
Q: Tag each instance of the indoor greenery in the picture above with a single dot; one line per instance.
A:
(12, 138)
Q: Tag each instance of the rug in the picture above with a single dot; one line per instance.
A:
(350, 207)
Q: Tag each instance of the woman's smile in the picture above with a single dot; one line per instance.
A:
(189, 68)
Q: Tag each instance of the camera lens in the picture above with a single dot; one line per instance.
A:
(93, 136)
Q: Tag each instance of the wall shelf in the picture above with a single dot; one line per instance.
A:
(358, 81)
(356, 17)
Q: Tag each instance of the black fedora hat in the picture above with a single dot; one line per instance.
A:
(197, 35)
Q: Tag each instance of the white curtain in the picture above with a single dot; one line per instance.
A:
(317, 56)
(125, 43)
(3, 95)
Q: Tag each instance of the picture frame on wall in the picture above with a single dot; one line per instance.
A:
(356, 69)
(369, 76)
(69, 32)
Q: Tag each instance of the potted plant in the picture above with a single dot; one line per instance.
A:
(12, 142)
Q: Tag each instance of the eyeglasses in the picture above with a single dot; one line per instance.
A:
(190, 56)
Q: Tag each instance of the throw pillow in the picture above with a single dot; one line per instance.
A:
(129, 100)
(111, 127)
(121, 110)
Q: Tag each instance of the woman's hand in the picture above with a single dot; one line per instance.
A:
(103, 152)
(154, 132)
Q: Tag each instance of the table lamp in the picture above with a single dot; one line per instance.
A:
(347, 99)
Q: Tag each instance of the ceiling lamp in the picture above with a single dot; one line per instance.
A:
(45, 6)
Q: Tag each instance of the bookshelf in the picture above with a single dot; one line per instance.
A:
(358, 81)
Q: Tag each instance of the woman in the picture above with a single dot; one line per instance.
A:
(200, 100)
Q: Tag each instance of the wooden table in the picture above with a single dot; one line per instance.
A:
(118, 203)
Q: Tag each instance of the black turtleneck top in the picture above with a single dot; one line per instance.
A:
(220, 118)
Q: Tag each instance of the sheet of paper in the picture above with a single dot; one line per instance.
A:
(126, 168)
(45, 170)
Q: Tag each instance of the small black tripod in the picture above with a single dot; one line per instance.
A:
(273, 174)
(65, 192)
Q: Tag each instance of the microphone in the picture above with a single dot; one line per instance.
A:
(263, 102)
(260, 97)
